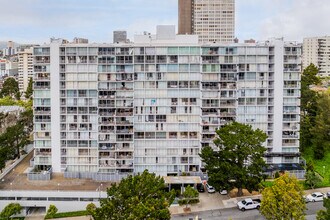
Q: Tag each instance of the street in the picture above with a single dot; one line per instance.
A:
(235, 214)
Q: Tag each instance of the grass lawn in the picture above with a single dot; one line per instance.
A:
(70, 214)
(321, 166)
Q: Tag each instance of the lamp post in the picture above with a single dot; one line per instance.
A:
(323, 170)
(11, 186)
(58, 187)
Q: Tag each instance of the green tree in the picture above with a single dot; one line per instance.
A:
(10, 88)
(324, 214)
(137, 197)
(284, 200)
(310, 166)
(10, 210)
(321, 129)
(238, 160)
(312, 179)
(52, 210)
(189, 196)
(308, 105)
(29, 89)
(3, 117)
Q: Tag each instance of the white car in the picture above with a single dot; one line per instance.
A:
(210, 189)
(315, 197)
(223, 192)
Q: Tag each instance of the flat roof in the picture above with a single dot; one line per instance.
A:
(182, 179)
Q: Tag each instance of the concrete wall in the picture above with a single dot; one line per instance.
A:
(80, 199)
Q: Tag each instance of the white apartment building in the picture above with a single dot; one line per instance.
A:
(316, 50)
(211, 20)
(25, 68)
(123, 108)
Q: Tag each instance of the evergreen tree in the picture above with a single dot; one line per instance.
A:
(137, 197)
(29, 89)
(238, 160)
(10, 88)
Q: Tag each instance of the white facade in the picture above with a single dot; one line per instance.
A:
(214, 20)
(65, 201)
(25, 68)
(316, 50)
(154, 104)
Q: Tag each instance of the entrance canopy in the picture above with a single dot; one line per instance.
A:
(182, 180)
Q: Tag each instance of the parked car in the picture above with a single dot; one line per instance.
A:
(200, 187)
(248, 204)
(328, 195)
(210, 189)
(223, 192)
(306, 199)
(315, 197)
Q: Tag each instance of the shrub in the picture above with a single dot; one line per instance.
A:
(90, 208)
(52, 210)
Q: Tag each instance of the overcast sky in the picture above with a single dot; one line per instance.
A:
(35, 21)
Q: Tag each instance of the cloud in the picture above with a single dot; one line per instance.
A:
(304, 19)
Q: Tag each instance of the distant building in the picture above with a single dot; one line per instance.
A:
(119, 37)
(211, 20)
(316, 50)
(251, 41)
(78, 40)
(25, 68)
(10, 50)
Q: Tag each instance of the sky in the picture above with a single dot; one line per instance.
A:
(35, 21)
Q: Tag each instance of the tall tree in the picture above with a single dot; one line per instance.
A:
(137, 197)
(29, 89)
(312, 179)
(308, 104)
(3, 117)
(238, 160)
(284, 200)
(10, 88)
(321, 128)
(324, 214)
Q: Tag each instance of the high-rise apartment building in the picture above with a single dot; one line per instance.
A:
(316, 50)
(25, 68)
(154, 104)
(211, 20)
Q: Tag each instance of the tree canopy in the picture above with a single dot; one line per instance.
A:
(284, 200)
(10, 88)
(324, 214)
(29, 89)
(308, 105)
(142, 196)
(321, 128)
(10, 209)
(189, 196)
(312, 179)
(238, 160)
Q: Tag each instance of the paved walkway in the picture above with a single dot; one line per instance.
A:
(216, 201)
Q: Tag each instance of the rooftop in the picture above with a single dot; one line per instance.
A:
(17, 180)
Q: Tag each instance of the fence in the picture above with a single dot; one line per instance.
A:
(113, 177)
(299, 174)
(28, 150)
(44, 175)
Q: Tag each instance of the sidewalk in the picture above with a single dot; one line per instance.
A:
(216, 201)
